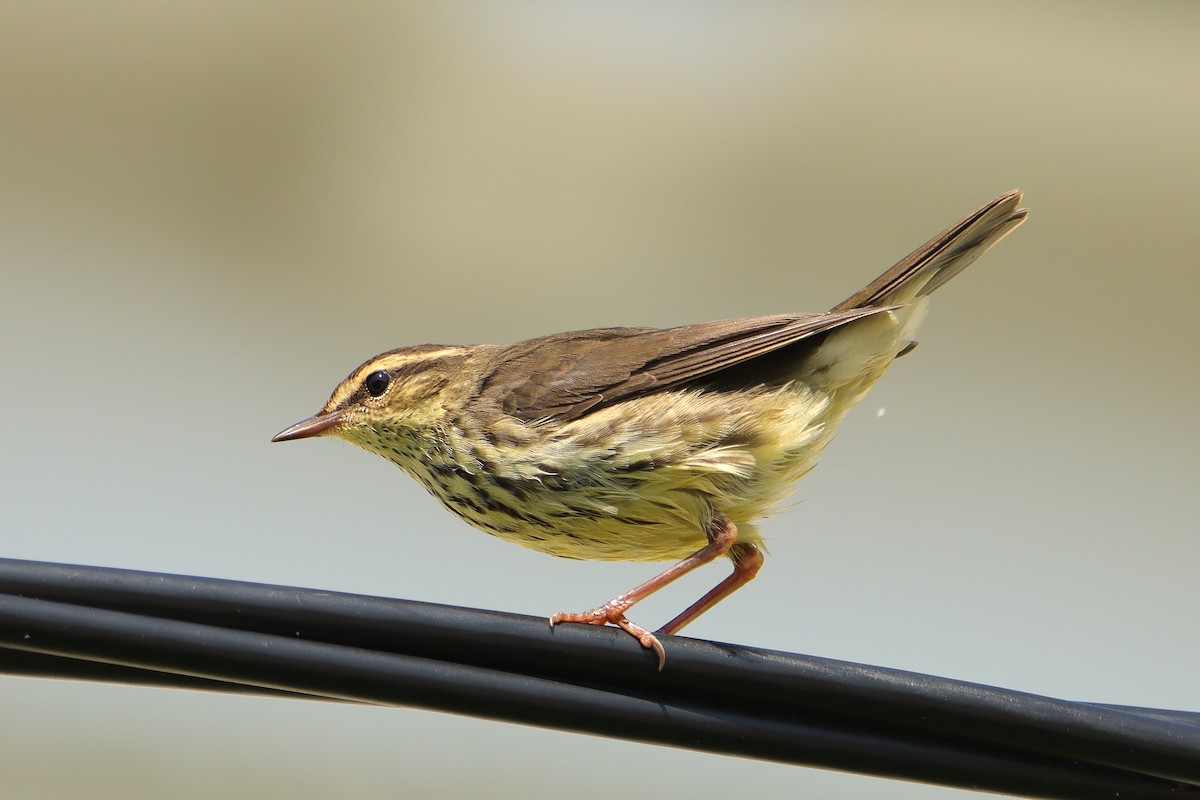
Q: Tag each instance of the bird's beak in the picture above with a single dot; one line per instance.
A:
(313, 426)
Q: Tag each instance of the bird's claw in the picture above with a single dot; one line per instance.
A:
(612, 614)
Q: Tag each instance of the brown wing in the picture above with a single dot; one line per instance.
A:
(567, 375)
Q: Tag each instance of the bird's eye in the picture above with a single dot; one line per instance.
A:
(377, 383)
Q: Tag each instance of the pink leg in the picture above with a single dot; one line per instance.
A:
(613, 612)
(746, 561)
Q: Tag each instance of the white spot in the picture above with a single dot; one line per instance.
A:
(879, 412)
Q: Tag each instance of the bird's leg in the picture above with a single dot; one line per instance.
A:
(722, 535)
(746, 561)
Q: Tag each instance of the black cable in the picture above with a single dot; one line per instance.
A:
(367, 676)
(40, 665)
(206, 633)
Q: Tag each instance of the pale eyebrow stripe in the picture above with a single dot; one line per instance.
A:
(389, 361)
(397, 360)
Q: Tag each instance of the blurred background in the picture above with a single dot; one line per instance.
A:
(210, 212)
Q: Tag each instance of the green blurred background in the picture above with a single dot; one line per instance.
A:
(210, 212)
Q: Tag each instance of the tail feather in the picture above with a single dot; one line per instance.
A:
(942, 257)
(853, 356)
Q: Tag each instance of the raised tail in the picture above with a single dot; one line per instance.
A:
(942, 257)
(854, 355)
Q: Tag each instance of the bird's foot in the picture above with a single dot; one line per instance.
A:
(613, 613)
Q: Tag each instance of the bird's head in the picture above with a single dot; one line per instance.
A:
(388, 398)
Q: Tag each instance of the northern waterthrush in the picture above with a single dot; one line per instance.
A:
(643, 444)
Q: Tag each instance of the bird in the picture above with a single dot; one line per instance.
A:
(643, 444)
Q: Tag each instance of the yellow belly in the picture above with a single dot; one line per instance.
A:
(638, 480)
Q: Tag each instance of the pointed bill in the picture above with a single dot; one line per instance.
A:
(313, 426)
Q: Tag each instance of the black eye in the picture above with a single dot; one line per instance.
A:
(377, 383)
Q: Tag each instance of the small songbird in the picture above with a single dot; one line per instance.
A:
(643, 444)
